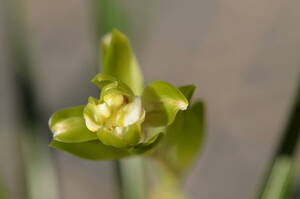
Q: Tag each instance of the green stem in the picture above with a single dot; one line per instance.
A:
(279, 176)
(108, 15)
(132, 178)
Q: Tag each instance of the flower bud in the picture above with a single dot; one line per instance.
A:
(116, 117)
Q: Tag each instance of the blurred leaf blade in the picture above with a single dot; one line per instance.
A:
(36, 161)
(3, 189)
(280, 179)
(279, 176)
(108, 15)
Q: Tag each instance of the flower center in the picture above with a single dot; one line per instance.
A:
(114, 113)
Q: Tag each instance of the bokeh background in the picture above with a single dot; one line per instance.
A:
(244, 57)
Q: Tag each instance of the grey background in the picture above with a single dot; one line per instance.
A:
(242, 55)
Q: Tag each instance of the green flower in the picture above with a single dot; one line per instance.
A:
(127, 118)
(119, 118)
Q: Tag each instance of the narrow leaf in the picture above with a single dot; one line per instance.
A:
(278, 185)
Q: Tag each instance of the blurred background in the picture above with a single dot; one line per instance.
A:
(244, 57)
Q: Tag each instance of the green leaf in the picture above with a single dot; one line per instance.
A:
(92, 150)
(184, 138)
(109, 14)
(162, 101)
(119, 61)
(280, 179)
(68, 126)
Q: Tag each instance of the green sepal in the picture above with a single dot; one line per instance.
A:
(162, 101)
(95, 150)
(184, 137)
(118, 60)
(68, 126)
(130, 137)
(92, 150)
